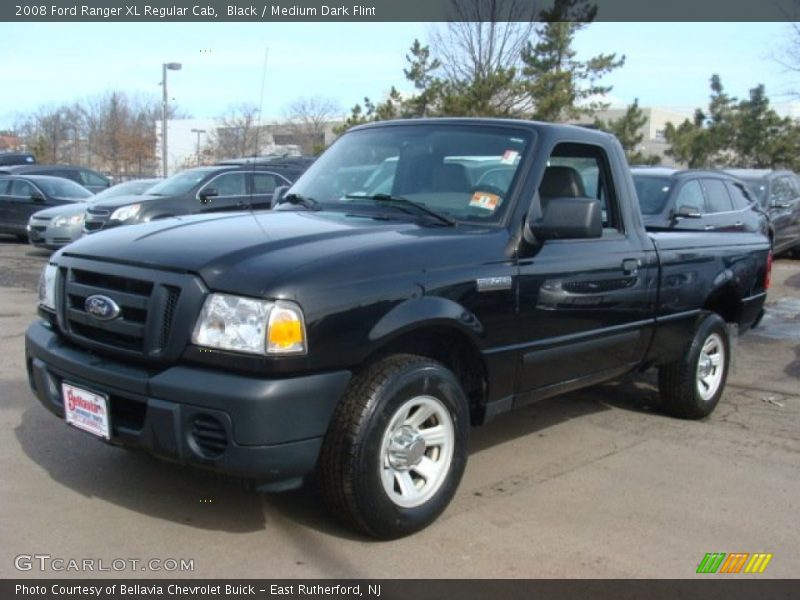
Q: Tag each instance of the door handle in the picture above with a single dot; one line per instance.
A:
(630, 266)
(709, 228)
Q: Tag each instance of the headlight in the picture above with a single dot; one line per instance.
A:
(248, 325)
(71, 220)
(47, 287)
(126, 212)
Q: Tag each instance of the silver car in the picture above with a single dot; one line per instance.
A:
(58, 226)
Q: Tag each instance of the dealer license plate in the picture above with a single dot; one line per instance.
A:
(86, 410)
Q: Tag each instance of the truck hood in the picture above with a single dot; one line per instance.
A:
(248, 253)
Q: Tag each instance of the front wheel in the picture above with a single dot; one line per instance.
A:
(396, 447)
(691, 387)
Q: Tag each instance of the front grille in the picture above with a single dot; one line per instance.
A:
(39, 228)
(209, 436)
(132, 296)
(149, 305)
(95, 218)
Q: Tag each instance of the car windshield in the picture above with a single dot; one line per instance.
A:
(63, 188)
(462, 173)
(180, 183)
(128, 188)
(652, 192)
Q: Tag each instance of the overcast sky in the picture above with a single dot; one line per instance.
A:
(668, 64)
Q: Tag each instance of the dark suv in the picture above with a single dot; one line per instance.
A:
(694, 199)
(203, 189)
(778, 194)
(91, 180)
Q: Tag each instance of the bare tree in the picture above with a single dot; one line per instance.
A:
(238, 134)
(479, 51)
(308, 118)
(113, 132)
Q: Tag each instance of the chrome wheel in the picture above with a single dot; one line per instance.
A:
(416, 451)
(710, 366)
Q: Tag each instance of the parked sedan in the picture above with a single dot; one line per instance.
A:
(58, 226)
(21, 196)
(91, 180)
(697, 200)
(778, 193)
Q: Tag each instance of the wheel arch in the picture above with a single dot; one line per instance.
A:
(726, 302)
(441, 330)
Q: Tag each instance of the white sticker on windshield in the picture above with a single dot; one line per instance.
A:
(509, 157)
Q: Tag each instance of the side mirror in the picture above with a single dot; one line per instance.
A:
(278, 194)
(567, 218)
(688, 212)
(37, 197)
(206, 195)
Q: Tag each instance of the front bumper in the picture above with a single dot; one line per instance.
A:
(52, 238)
(272, 428)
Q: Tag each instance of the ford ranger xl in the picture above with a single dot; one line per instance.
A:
(422, 277)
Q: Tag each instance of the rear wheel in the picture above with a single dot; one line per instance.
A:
(691, 387)
(395, 450)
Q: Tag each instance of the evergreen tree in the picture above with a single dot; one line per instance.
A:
(629, 131)
(559, 86)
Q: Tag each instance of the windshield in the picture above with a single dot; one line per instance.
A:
(180, 183)
(129, 188)
(652, 192)
(463, 172)
(63, 188)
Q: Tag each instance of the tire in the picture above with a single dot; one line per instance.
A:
(22, 238)
(691, 387)
(377, 471)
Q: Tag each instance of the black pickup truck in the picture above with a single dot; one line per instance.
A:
(421, 277)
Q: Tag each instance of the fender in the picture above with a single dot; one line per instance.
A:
(427, 310)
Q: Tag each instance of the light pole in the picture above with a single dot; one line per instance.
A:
(198, 132)
(164, 68)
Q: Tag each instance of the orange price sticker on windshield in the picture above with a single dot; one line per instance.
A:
(485, 200)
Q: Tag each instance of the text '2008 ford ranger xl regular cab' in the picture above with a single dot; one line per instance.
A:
(420, 277)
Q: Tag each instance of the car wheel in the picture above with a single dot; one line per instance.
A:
(691, 387)
(396, 447)
(22, 238)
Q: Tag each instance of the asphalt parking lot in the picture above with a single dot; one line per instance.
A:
(593, 484)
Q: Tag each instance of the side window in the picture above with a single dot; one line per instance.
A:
(740, 196)
(89, 178)
(229, 184)
(72, 174)
(717, 198)
(4, 185)
(782, 191)
(690, 197)
(21, 188)
(264, 183)
(581, 170)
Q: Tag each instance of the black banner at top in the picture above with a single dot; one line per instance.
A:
(382, 10)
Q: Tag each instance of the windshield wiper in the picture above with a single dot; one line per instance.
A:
(400, 201)
(300, 200)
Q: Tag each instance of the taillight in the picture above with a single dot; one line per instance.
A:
(768, 274)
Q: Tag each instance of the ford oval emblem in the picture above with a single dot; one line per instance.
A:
(101, 307)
